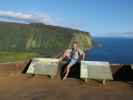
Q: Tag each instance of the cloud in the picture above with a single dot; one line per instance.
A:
(116, 34)
(22, 17)
(27, 17)
(121, 34)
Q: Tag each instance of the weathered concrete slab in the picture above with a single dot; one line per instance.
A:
(43, 66)
(95, 70)
(89, 69)
(132, 66)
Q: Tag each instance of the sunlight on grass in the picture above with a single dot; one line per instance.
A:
(16, 56)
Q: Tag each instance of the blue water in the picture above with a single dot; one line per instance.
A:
(114, 50)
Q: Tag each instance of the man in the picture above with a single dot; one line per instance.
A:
(73, 56)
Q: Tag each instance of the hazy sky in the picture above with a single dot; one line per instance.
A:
(100, 17)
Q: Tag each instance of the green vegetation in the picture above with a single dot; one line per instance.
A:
(45, 40)
(16, 56)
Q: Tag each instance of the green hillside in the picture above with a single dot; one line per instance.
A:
(39, 39)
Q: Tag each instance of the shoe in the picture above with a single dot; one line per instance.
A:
(64, 78)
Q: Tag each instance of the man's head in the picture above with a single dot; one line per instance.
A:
(75, 45)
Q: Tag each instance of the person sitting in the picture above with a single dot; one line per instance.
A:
(72, 56)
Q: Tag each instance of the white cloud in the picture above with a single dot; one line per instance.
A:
(116, 34)
(22, 17)
(28, 17)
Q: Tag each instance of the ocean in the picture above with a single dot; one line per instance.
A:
(114, 50)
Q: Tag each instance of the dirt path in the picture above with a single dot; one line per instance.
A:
(25, 87)
(17, 86)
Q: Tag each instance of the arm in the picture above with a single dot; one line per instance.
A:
(64, 55)
(83, 54)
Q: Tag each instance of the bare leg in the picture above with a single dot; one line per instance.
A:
(67, 71)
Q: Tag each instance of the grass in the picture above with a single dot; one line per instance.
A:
(16, 56)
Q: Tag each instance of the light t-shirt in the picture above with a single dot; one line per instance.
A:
(75, 54)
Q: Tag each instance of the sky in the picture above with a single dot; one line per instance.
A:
(99, 17)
